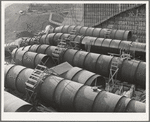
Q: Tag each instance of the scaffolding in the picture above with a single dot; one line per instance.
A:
(32, 85)
(114, 68)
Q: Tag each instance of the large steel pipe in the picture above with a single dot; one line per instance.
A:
(43, 49)
(84, 99)
(101, 45)
(76, 74)
(73, 96)
(16, 76)
(15, 44)
(64, 94)
(95, 32)
(83, 76)
(15, 104)
(30, 41)
(131, 71)
(105, 46)
(31, 59)
(98, 45)
(108, 103)
(24, 41)
(9, 47)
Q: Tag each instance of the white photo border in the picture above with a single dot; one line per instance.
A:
(73, 116)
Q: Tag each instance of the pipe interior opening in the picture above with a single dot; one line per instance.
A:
(48, 61)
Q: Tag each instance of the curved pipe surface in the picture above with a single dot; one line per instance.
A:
(98, 45)
(76, 74)
(105, 46)
(15, 104)
(70, 96)
(52, 39)
(95, 32)
(131, 71)
(31, 59)
(84, 77)
(17, 43)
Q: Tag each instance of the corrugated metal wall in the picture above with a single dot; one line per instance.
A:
(75, 15)
(133, 19)
(97, 13)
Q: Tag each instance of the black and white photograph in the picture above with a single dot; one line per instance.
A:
(75, 60)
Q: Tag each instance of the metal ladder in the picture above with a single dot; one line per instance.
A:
(73, 32)
(113, 74)
(66, 43)
(72, 44)
(33, 83)
(61, 44)
(58, 51)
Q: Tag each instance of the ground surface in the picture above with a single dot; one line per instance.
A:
(15, 22)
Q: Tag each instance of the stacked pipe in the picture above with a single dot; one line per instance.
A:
(95, 32)
(83, 76)
(15, 104)
(16, 43)
(31, 59)
(71, 96)
(43, 49)
(85, 31)
(98, 45)
(30, 41)
(101, 45)
(131, 71)
(24, 41)
(45, 39)
(105, 46)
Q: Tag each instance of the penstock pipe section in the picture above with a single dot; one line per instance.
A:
(17, 43)
(131, 71)
(20, 42)
(31, 59)
(95, 32)
(106, 46)
(84, 77)
(75, 73)
(71, 96)
(98, 45)
(15, 104)
(101, 45)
